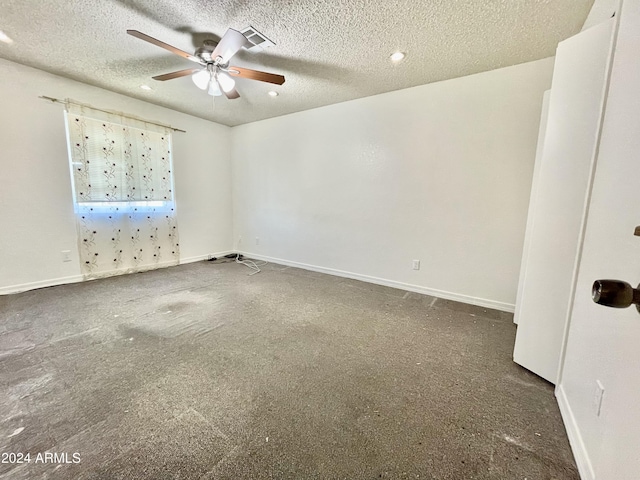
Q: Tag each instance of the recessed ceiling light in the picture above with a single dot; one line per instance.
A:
(396, 57)
(5, 38)
(273, 94)
(146, 87)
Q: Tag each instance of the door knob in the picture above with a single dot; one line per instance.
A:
(615, 293)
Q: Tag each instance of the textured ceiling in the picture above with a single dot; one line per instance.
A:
(329, 51)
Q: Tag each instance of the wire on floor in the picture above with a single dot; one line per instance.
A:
(251, 264)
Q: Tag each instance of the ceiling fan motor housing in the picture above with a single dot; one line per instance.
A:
(204, 52)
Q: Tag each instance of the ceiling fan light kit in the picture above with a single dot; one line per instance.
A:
(214, 74)
(226, 82)
(201, 79)
(214, 89)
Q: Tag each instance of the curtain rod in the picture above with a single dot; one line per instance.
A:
(111, 112)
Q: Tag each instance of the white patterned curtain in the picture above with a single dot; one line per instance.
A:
(123, 193)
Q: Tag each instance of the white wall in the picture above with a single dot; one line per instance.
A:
(36, 209)
(440, 173)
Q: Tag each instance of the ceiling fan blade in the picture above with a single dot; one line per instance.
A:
(166, 46)
(231, 42)
(256, 75)
(178, 74)
(232, 94)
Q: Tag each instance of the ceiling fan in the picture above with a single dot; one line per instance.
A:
(214, 73)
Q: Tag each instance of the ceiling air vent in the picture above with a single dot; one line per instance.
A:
(258, 40)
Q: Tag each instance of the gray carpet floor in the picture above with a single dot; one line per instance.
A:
(203, 372)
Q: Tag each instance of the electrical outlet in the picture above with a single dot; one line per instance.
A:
(257, 240)
(66, 255)
(597, 398)
(416, 264)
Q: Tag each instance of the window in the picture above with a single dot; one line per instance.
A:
(122, 192)
(116, 162)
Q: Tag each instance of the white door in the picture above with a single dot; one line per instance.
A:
(558, 202)
(599, 384)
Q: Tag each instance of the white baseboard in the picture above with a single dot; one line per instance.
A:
(575, 439)
(51, 282)
(199, 258)
(481, 302)
(458, 297)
